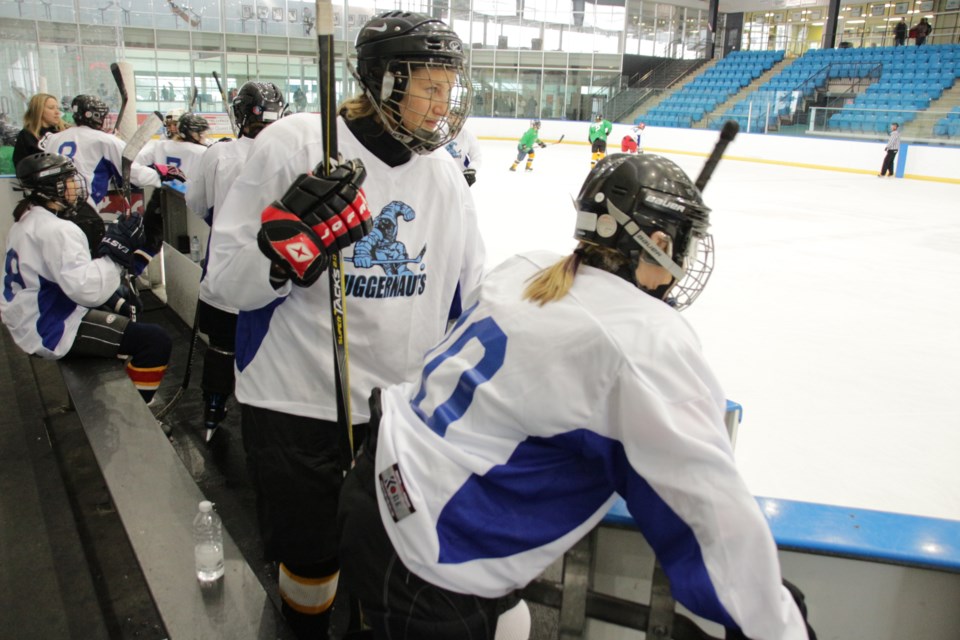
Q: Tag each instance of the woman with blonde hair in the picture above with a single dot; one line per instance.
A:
(42, 117)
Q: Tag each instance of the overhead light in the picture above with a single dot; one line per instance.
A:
(855, 21)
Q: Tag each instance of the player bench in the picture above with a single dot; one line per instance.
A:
(156, 500)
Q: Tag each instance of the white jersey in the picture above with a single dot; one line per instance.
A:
(218, 169)
(177, 153)
(528, 421)
(465, 149)
(50, 281)
(425, 249)
(98, 157)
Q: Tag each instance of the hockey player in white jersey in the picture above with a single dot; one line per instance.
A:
(403, 282)
(97, 154)
(183, 151)
(59, 302)
(567, 381)
(256, 106)
(465, 149)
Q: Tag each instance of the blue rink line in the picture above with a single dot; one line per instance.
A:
(862, 534)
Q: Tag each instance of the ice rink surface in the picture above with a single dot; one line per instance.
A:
(833, 317)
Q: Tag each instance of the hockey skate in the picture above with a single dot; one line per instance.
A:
(528, 169)
(214, 411)
(513, 168)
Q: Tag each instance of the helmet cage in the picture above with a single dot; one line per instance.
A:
(616, 212)
(45, 178)
(405, 110)
(390, 48)
(89, 111)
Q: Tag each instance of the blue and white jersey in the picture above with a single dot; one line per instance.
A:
(177, 153)
(403, 281)
(526, 423)
(218, 169)
(465, 149)
(98, 157)
(50, 282)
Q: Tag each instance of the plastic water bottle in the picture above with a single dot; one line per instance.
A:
(195, 248)
(208, 544)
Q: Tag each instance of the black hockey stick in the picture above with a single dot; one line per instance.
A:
(122, 87)
(557, 141)
(727, 134)
(226, 107)
(167, 408)
(193, 99)
(338, 311)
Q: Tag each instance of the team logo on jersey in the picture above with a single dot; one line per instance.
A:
(397, 273)
(395, 493)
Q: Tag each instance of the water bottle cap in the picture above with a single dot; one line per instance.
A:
(206, 506)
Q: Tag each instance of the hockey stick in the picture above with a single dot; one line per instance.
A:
(727, 134)
(338, 311)
(167, 408)
(193, 100)
(557, 141)
(226, 107)
(399, 260)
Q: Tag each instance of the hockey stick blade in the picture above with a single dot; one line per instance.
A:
(558, 140)
(134, 145)
(727, 134)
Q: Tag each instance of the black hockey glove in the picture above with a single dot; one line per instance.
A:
(470, 175)
(122, 240)
(293, 248)
(543, 145)
(123, 303)
(169, 172)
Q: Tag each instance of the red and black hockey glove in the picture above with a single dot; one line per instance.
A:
(317, 216)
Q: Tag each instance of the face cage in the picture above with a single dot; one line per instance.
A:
(58, 193)
(698, 269)
(421, 139)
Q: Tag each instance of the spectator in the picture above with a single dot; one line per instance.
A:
(42, 117)
(300, 99)
(922, 31)
(900, 33)
(53, 288)
(481, 472)
(893, 145)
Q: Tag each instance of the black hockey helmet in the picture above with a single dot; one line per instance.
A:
(535, 124)
(257, 103)
(627, 198)
(44, 177)
(191, 126)
(598, 117)
(389, 48)
(89, 111)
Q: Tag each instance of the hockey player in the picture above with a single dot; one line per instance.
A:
(182, 151)
(96, 154)
(52, 287)
(416, 96)
(599, 131)
(171, 121)
(638, 132)
(465, 149)
(256, 106)
(481, 471)
(525, 146)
